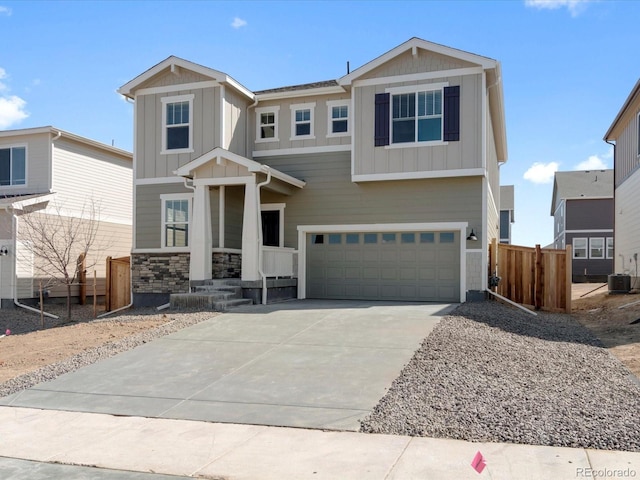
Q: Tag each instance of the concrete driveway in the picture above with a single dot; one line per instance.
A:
(308, 363)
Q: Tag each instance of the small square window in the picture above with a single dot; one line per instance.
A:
(427, 237)
(370, 238)
(335, 238)
(353, 238)
(408, 238)
(388, 238)
(447, 237)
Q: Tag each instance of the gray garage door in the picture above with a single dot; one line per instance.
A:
(421, 266)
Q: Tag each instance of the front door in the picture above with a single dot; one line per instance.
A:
(271, 228)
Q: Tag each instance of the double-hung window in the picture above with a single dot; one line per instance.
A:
(338, 115)
(417, 116)
(176, 215)
(596, 248)
(267, 124)
(302, 121)
(13, 166)
(177, 124)
(609, 247)
(580, 248)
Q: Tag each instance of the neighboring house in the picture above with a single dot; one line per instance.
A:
(364, 187)
(582, 207)
(52, 172)
(507, 212)
(624, 132)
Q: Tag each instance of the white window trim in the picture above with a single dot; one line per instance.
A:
(26, 166)
(338, 103)
(638, 133)
(270, 207)
(424, 87)
(303, 106)
(586, 248)
(175, 99)
(604, 248)
(276, 114)
(163, 235)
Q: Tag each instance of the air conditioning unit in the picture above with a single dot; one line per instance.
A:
(619, 283)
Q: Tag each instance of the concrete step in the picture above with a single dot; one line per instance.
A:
(205, 301)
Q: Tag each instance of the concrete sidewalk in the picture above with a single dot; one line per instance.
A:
(124, 447)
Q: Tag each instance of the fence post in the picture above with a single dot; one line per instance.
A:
(538, 279)
(569, 277)
(107, 287)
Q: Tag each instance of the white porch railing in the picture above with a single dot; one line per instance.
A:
(279, 262)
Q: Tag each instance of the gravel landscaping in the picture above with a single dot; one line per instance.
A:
(493, 373)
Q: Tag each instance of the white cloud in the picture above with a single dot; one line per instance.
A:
(541, 172)
(575, 7)
(238, 22)
(12, 108)
(5, 11)
(594, 162)
(12, 111)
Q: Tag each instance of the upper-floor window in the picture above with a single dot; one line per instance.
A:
(302, 121)
(177, 124)
(13, 166)
(176, 214)
(267, 124)
(417, 117)
(338, 115)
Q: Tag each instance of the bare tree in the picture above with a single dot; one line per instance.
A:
(56, 239)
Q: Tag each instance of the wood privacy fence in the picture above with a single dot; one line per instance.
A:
(118, 283)
(535, 277)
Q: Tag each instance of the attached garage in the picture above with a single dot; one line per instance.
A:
(400, 264)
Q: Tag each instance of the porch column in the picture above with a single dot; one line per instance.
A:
(250, 232)
(201, 242)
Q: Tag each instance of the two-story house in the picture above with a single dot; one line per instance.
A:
(51, 172)
(364, 187)
(507, 212)
(624, 134)
(582, 208)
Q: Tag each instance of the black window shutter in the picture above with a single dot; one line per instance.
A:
(452, 114)
(381, 134)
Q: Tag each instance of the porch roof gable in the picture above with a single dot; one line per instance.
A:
(219, 154)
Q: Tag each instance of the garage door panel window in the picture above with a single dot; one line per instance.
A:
(408, 238)
(447, 237)
(388, 238)
(335, 239)
(427, 237)
(352, 238)
(317, 239)
(370, 238)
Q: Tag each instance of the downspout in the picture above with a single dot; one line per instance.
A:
(246, 127)
(15, 271)
(266, 169)
(614, 206)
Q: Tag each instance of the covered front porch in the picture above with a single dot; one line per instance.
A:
(262, 253)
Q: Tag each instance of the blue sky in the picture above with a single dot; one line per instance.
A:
(568, 65)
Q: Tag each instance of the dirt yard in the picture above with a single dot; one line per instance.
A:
(29, 347)
(600, 313)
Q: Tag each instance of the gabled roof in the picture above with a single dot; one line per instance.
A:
(582, 184)
(635, 94)
(410, 44)
(172, 63)
(251, 165)
(63, 133)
